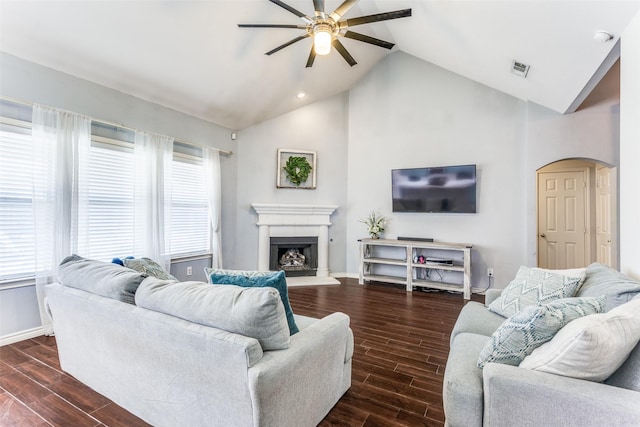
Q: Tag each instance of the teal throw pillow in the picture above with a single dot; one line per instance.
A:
(533, 286)
(527, 330)
(274, 280)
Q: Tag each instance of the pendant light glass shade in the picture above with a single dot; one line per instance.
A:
(322, 38)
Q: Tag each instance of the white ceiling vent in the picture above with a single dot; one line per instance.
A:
(519, 68)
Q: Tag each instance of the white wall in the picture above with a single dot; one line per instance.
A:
(630, 151)
(408, 113)
(320, 127)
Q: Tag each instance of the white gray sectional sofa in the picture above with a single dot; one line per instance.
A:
(510, 394)
(168, 365)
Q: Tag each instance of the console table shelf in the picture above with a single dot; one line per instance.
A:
(399, 262)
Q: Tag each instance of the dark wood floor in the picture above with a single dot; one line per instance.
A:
(401, 347)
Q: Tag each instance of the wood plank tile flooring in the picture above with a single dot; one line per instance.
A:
(401, 347)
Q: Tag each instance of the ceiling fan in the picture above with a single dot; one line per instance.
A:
(326, 28)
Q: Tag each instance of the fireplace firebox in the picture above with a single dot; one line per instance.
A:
(297, 256)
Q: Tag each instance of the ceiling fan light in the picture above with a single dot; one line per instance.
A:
(322, 38)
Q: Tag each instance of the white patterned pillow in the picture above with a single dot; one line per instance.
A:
(580, 273)
(591, 348)
(523, 332)
(148, 267)
(533, 286)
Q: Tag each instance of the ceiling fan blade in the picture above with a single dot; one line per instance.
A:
(299, 27)
(312, 57)
(337, 14)
(377, 17)
(318, 5)
(346, 55)
(289, 43)
(367, 39)
(296, 12)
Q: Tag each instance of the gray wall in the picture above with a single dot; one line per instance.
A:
(408, 113)
(592, 132)
(630, 151)
(320, 127)
(404, 113)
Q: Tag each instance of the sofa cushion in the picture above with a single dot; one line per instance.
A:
(592, 347)
(253, 312)
(476, 319)
(603, 280)
(275, 280)
(100, 278)
(462, 391)
(533, 286)
(525, 331)
(148, 267)
(628, 375)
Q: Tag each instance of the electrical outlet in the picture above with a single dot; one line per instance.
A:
(490, 272)
(189, 271)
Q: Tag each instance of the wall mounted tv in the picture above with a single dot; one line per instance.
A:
(449, 189)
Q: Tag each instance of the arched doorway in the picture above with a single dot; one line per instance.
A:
(576, 214)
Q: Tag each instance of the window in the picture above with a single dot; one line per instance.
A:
(190, 229)
(17, 257)
(106, 230)
(106, 225)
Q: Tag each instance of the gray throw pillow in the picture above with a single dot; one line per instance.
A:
(533, 286)
(603, 280)
(102, 278)
(253, 312)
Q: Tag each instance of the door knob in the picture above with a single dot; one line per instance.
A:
(543, 235)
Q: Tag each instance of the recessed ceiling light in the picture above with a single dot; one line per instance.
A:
(301, 95)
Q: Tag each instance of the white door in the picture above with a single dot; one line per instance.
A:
(605, 220)
(562, 220)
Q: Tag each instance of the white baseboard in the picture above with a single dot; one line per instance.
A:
(21, 336)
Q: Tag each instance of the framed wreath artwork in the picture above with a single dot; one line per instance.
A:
(296, 169)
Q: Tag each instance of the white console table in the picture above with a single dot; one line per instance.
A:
(392, 261)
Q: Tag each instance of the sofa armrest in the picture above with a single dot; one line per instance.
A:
(513, 393)
(298, 386)
(491, 295)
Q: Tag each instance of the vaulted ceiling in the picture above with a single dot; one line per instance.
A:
(192, 57)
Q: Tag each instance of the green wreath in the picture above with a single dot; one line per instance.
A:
(297, 169)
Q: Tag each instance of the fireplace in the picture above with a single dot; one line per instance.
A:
(297, 256)
(295, 222)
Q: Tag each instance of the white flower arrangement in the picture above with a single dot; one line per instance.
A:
(375, 223)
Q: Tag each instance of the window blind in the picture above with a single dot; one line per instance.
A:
(190, 229)
(17, 257)
(106, 227)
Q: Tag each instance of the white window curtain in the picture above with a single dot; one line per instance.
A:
(61, 142)
(211, 160)
(153, 158)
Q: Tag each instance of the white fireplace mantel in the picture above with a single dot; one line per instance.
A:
(278, 220)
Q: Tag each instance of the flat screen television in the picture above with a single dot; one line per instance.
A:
(449, 189)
